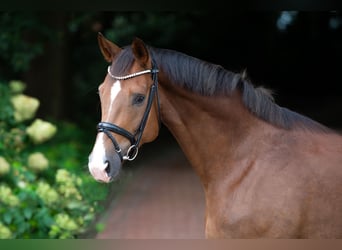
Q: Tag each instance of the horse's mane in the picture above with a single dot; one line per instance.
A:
(210, 79)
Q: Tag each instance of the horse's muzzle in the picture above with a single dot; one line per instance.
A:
(104, 169)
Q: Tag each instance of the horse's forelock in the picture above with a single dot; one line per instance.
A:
(123, 62)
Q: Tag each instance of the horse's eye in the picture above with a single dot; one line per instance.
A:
(138, 99)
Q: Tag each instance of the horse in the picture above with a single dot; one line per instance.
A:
(266, 171)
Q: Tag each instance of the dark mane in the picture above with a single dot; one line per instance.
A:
(210, 79)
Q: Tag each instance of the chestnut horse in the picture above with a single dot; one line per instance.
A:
(266, 171)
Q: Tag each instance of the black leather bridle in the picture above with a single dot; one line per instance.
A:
(135, 138)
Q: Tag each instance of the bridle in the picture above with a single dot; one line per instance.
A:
(135, 138)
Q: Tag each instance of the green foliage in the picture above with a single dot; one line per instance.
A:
(167, 25)
(15, 47)
(6, 114)
(45, 188)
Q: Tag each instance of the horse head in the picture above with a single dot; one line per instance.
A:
(129, 107)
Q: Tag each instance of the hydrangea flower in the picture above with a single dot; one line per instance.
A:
(25, 107)
(7, 197)
(63, 176)
(17, 87)
(4, 166)
(67, 184)
(5, 232)
(65, 222)
(37, 162)
(41, 131)
(48, 195)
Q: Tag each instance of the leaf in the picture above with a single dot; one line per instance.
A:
(76, 205)
(17, 216)
(48, 220)
(23, 227)
(100, 227)
(8, 218)
(29, 176)
(89, 217)
(28, 213)
(43, 217)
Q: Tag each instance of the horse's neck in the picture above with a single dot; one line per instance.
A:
(210, 130)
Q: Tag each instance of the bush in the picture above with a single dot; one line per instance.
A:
(45, 188)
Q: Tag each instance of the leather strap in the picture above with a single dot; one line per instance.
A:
(107, 127)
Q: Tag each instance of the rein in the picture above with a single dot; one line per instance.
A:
(107, 127)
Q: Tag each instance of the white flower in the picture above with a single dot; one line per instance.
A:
(37, 162)
(41, 131)
(63, 176)
(17, 87)
(47, 193)
(4, 166)
(5, 232)
(7, 197)
(25, 107)
(66, 184)
(22, 184)
(65, 222)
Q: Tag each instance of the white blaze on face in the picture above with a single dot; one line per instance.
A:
(98, 160)
(98, 157)
(114, 91)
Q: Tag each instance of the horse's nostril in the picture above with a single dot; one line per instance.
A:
(107, 169)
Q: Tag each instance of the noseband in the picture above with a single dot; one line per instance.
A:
(134, 139)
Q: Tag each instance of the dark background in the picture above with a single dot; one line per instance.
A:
(296, 54)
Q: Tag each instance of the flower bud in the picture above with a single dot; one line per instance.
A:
(25, 107)
(37, 162)
(41, 131)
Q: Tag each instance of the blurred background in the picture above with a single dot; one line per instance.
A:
(296, 54)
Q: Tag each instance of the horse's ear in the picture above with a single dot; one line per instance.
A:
(140, 52)
(109, 50)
